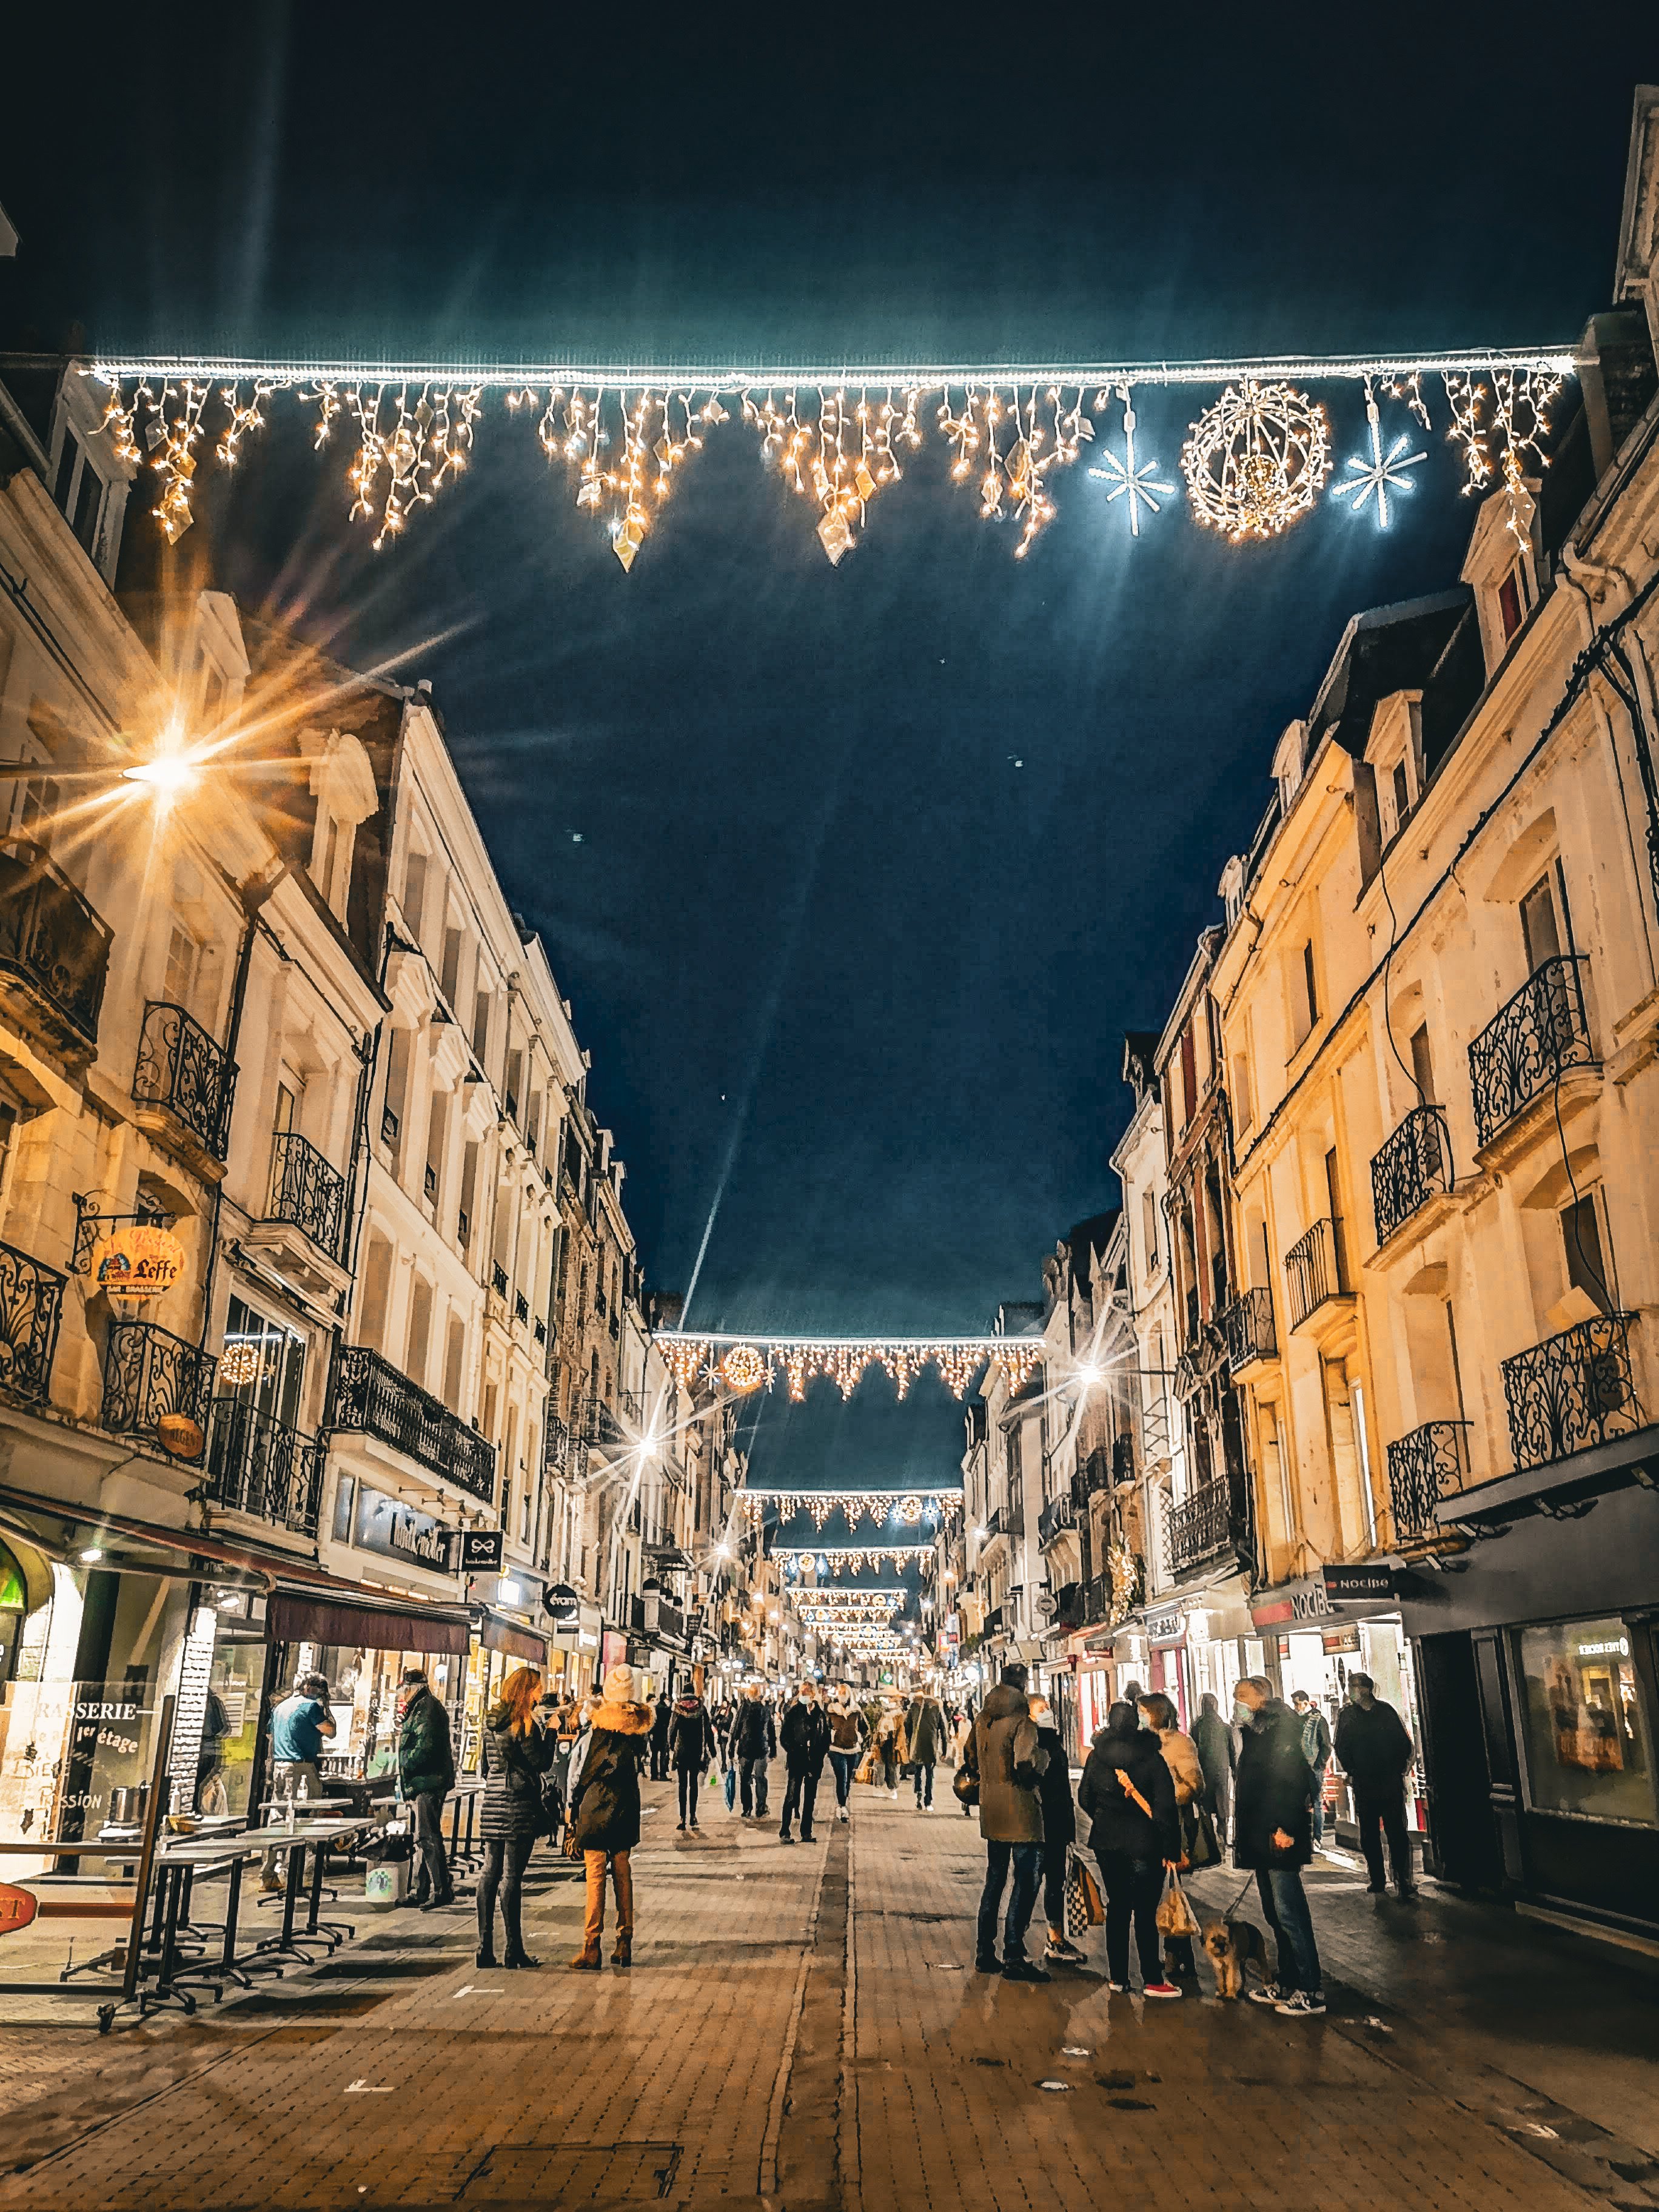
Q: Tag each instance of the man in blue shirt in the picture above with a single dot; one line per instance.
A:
(299, 1728)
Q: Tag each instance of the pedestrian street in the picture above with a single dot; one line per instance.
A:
(803, 2028)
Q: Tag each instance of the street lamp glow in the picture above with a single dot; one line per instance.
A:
(166, 774)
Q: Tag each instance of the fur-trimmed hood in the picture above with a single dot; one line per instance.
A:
(623, 1720)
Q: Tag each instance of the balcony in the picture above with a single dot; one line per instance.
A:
(258, 1465)
(1199, 1529)
(992, 1623)
(54, 949)
(1413, 1167)
(1248, 1326)
(602, 1429)
(150, 1372)
(186, 1081)
(1313, 1270)
(1059, 1515)
(31, 1308)
(520, 1308)
(565, 1454)
(994, 1524)
(1571, 1393)
(306, 1193)
(372, 1398)
(1432, 1463)
(1538, 1035)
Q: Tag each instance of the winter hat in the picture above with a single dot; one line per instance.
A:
(619, 1684)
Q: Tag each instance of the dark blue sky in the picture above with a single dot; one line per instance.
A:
(848, 974)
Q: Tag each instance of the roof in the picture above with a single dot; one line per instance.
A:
(1382, 651)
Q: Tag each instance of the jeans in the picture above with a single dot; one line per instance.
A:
(1319, 1810)
(1284, 1902)
(890, 1765)
(1132, 1888)
(428, 1807)
(1055, 1857)
(1026, 1859)
(659, 1759)
(751, 1784)
(800, 1794)
(505, 1861)
(690, 1777)
(925, 1781)
(303, 1774)
(1380, 1813)
(622, 1875)
(845, 1765)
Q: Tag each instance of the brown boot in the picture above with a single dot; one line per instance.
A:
(623, 1954)
(587, 1960)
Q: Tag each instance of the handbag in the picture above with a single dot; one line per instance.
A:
(1085, 1908)
(1203, 1844)
(731, 1787)
(1176, 1917)
(964, 1784)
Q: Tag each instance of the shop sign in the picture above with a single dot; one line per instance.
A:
(137, 1262)
(1165, 1628)
(1304, 1602)
(398, 1532)
(17, 1908)
(1352, 1585)
(1337, 1640)
(561, 1605)
(478, 1551)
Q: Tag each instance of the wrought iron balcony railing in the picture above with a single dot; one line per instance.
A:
(1056, 1516)
(565, 1453)
(257, 1464)
(307, 1191)
(1248, 1326)
(1313, 1270)
(375, 1399)
(147, 1372)
(51, 939)
(1540, 1033)
(1572, 1392)
(1412, 1165)
(1432, 1463)
(31, 1308)
(995, 1523)
(180, 1067)
(1198, 1530)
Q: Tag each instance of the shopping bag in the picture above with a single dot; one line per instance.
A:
(1176, 1916)
(1083, 1908)
(866, 1769)
(1203, 1846)
(731, 1787)
(965, 1784)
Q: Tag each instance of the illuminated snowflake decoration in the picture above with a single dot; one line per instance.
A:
(1256, 460)
(1137, 482)
(1380, 472)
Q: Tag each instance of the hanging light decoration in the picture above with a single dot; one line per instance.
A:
(1257, 459)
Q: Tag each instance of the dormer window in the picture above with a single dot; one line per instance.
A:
(342, 784)
(1393, 751)
(1290, 762)
(1512, 601)
(1231, 888)
(79, 492)
(1502, 568)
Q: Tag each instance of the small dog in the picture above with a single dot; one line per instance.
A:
(1232, 1947)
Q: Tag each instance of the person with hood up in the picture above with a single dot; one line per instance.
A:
(1135, 1833)
(605, 1812)
(1059, 1832)
(924, 1745)
(1273, 1835)
(1217, 1754)
(662, 1722)
(691, 1751)
(425, 1775)
(518, 1750)
(1005, 1758)
(847, 1731)
(1376, 1750)
(806, 1738)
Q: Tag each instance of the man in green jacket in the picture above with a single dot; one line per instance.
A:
(425, 1775)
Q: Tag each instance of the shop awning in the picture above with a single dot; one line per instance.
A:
(498, 1634)
(311, 1615)
(1561, 1485)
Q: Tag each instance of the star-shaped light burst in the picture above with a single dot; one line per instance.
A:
(1137, 482)
(1383, 472)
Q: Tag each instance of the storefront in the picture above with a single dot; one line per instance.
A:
(1539, 1681)
(500, 1644)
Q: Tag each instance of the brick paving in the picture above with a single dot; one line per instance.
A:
(801, 2030)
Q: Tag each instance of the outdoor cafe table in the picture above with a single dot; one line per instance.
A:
(177, 1861)
(316, 1836)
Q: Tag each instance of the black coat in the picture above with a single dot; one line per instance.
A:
(1117, 1822)
(604, 1807)
(754, 1735)
(1373, 1747)
(1272, 1788)
(1054, 1788)
(661, 1722)
(806, 1738)
(690, 1736)
(514, 1767)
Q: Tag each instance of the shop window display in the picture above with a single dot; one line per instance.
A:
(363, 1689)
(1587, 1751)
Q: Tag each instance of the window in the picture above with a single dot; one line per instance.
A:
(420, 1329)
(1149, 1229)
(261, 1362)
(451, 978)
(377, 1293)
(1310, 982)
(1540, 924)
(454, 1362)
(469, 1193)
(1587, 1751)
(79, 493)
(397, 1085)
(414, 893)
(1189, 1074)
(1423, 1066)
(289, 1091)
(1580, 1239)
(183, 965)
(1511, 605)
(1305, 996)
(1402, 797)
(480, 1026)
(1243, 1098)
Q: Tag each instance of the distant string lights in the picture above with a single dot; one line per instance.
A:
(1255, 460)
(844, 1558)
(744, 1364)
(910, 1507)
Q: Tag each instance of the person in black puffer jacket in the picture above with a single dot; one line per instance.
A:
(1135, 1833)
(518, 1752)
(751, 1743)
(691, 1751)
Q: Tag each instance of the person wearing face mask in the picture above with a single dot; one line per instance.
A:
(1272, 1837)
(805, 1737)
(1059, 1832)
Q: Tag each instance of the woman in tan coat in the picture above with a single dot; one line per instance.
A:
(1180, 1756)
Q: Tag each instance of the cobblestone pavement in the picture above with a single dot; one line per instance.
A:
(801, 2029)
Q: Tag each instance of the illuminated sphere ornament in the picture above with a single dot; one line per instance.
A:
(1257, 459)
(744, 1369)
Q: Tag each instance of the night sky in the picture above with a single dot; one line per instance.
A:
(876, 864)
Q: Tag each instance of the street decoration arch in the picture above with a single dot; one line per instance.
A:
(910, 1507)
(744, 1364)
(1255, 460)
